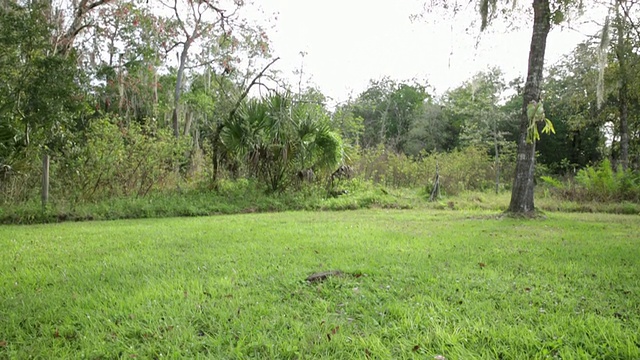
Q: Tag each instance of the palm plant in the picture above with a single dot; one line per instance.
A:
(274, 137)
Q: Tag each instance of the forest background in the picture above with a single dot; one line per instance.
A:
(115, 109)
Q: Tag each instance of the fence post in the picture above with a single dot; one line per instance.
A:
(435, 193)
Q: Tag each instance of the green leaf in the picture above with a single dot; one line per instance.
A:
(548, 128)
(557, 17)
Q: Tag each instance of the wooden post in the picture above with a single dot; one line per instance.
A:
(45, 181)
(435, 193)
(495, 143)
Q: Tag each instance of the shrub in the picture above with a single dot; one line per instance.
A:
(460, 170)
(601, 183)
(116, 161)
(598, 183)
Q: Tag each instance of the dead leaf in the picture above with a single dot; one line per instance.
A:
(482, 264)
(335, 329)
(3, 343)
(56, 334)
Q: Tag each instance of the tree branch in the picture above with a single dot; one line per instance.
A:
(629, 18)
(246, 91)
(77, 24)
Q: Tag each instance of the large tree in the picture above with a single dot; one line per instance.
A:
(570, 100)
(522, 193)
(38, 90)
(389, 109)
(545, 12)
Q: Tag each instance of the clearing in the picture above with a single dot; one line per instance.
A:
(413, 284)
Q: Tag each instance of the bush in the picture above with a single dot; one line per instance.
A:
(602, 183)
(460, 170)
(599, 183)
(115, 161)
(21, 182)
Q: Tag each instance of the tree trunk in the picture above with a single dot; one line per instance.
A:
(623, 107)
(522, 193)
(81, 9)
(215, 153)
(623, 93)
(497, 153)
(120, 84)
(45, 181)
(155, 87)
(187, 123)
(180, 75)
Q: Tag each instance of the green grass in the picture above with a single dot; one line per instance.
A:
(232, 198)
(417, 284)
(544, 201)
(244, 197)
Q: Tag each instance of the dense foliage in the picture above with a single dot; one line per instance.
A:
(98, 92)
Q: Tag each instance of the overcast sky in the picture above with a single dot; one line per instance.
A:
(349, 42)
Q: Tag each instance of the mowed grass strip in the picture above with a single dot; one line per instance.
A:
(415, 284)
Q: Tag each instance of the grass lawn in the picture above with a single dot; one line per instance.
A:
(415, 284)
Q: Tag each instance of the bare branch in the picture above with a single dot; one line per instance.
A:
(167, 51)
(180, 22)
(627, 14)
(248, 88)
(77, 25)
(96, 4)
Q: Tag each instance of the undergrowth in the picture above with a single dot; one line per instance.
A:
(245, 197)
(232, 197)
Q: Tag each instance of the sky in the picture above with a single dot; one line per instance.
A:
(349, 42)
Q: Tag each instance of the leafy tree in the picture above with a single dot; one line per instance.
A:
(350, 125)
(545, 13)
(123, 58)
(389, 109)
(571, 100)
(220, 31)
(475, 106)
(625, 70)
(431, 130)
(38, 91)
